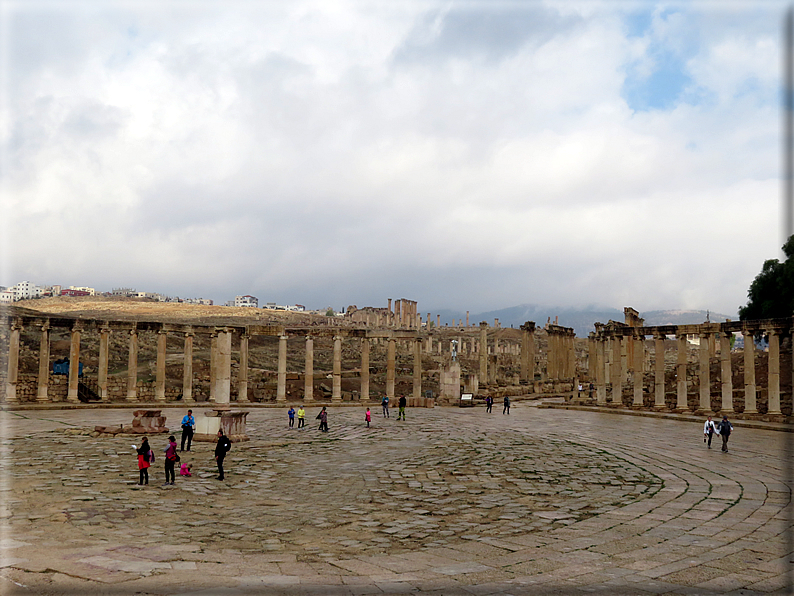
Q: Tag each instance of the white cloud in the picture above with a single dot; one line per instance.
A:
(342, 152)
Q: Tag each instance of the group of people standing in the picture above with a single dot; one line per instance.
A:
(489, 405)
(146, 455)
(723, 429)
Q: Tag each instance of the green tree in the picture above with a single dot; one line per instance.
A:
(329, 312)
(771, 295)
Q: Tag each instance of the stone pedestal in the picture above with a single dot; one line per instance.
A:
(450, 382)
(147, 422)
(231, 422)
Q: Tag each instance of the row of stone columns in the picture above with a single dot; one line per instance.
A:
(220, 366)
(605, 372)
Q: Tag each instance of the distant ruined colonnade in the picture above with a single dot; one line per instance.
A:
(615, 358)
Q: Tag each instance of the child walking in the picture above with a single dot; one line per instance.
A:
(368, 417)
(291, 415)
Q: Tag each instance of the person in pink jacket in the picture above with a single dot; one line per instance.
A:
(368, 417)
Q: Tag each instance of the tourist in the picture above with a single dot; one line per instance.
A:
(301, 417)
(708, 431)
(184, 470)
(188, 427)
(291, 415)
(170, 460)
(145, 459)
(725, 430)
(488, 404)
(323, 418)
(368, 417)
(385, 403)
(221, 449)
(506, 409)
(591, 387)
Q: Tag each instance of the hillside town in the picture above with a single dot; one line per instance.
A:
(26, 290)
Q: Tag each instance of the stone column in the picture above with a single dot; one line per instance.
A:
(74, 365)
(390, 350)
(527, 357)
(681, 403)
(187, 369)
(601, 385)
(484, 352)
(417, 368)
(308, 376)
(213, 365)
(13, 363)
(242, 374)
(281, 384)
(223, 366)
(704, 375)
(726, 373)
(774, 373)
(364, 369)
(42, 395)
(104, 353)
(159, 382)
(638, 358)
(132, 366)
(617, 378)
(591, 357)
(658, 370)
(438, 320)
(749, 373)
(336, 394)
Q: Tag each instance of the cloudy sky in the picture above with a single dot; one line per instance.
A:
(470, 155)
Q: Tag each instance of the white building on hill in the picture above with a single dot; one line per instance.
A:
(249, 301)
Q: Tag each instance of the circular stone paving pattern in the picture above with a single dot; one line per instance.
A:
(392, 488)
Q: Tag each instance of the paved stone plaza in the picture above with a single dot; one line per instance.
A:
(451, 501)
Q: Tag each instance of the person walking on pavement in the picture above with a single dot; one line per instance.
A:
(170, 460)
(385, 403)
(368, 417)
(708, 431)
(291, 415)
(145, 457)
(188, 427)
(221, 449)
(301, 417)
(323, 417)
(725, 430)
(402, 403)
(488, 404)
(506, 409)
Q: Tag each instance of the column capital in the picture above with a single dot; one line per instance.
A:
(45, 326)
(659, 335)
(746, 332)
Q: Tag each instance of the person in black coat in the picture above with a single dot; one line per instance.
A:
(221, 448)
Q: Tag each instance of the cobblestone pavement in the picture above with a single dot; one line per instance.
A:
(451, 501)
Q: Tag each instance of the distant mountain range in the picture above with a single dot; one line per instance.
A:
(581, 319)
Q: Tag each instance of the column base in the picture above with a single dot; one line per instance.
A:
(132, 398)
(750, 412)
